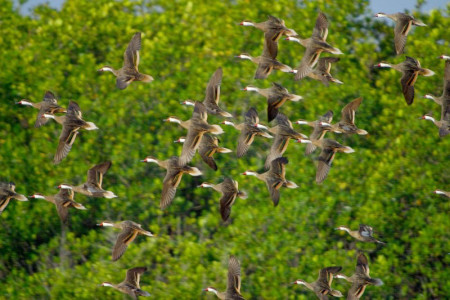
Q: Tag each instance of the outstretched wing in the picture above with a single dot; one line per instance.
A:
(95, 174)
(131, 54)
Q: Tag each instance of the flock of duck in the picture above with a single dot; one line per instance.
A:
(201, 137)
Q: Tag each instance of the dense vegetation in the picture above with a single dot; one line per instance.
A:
(387, 183)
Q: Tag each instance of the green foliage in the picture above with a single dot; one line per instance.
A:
(386, 183)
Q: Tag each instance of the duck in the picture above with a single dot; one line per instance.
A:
(403, 24)
(321, 127)
(329, 148)
(71, 122)
(347, 122)
(249, 129)
(315, 45)
(173, 119)
(233, 291)
(197, 128)
(360, 279)
(443, 124)
(129, 232)
(229, 189)
(322, 71)
(275, 178)
(282, 132)
(276, 96)
(273, 29)
(93, 186)
(266, 61)
(129, 71)
(8, 192)
(130, 285)
(212, 96)
(363, 234)
(63, 201)
(173, 177)
(209, 146)
(322, 286)
(410, 69)
(47, 106)
(441, 192)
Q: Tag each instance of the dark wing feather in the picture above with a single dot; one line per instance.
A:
(4, 201)
(96, 173)
(321, 28)
(324, 63)
(263, 70)
(274, 185)
(348, 112)
(362, 265)
(356, 291)
(190, 146)
(277, 166)
(40, 119)
(401, 30)
(63, 211)
(74, 111)
(234, 275)
(170, 184)
(252, 116)
(200, 111)
(134, 275)
(246, 138)
(123, 239)
(66, 140)
(226, 201)
(270, 46)
(123, 81)
(212, 93)
(131, 55)
(325, 160)
(307, 63)
(327, 117)
(408, 79)
(273, 103)
(277, 149)
(326, 274)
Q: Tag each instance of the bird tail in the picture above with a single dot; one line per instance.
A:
(216, 129)
(79, 206)
(361, 132)
(285, 68)
(20, 197)
(374, 281)
(242, 195)
(348, 150)
(194, 171)
(147, 233)
(225, 114)
(426, 72)
(266, 135)
(90, 126)
(291, 185)
(295, 98)
(146, 78)
(418, 23)
(336, 51)
(109, 195)
(223, 150)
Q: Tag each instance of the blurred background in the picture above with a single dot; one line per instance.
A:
(387, 183)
